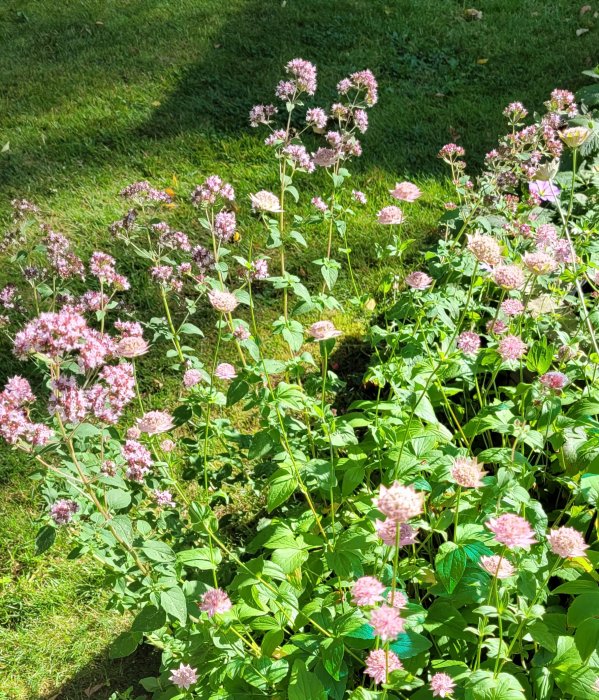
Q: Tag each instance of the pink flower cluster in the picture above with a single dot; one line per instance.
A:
(512, 531)
(102, 266)
(62, 511)
(138, 458)
(361, 81)
(62, 259)
(210, 190)
(399, 503)
(110, 395)
(380, 663)
(143, 190)
(15, 423)
(215, 601)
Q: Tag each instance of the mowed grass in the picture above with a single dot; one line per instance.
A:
(95, 94)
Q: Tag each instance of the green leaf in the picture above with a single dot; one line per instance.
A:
(583, 409)
(44, 539)
(289, 559)
(540, 356)
(238, 389)
(282, 485)
(271, 641)
(125, 644)
(332, 657)
(158, 551)
(586, 638)
(483, 685)
(450, 564)
(149, 619)
(584, 607)
(201, 558)
(410, 644)
(118, 499)
(173, 603)
(122, 526)
(190, 329)
(304, 685)
(298, 238)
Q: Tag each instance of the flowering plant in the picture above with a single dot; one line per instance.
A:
(435, 539)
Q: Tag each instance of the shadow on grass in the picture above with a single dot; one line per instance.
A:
(102, 677)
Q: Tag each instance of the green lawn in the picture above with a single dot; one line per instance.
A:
(98, 93)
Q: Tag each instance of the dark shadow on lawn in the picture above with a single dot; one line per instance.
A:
(441, 78)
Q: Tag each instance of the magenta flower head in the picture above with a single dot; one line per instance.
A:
(405, 192)
(468, 343)
(555, 381)
(184, 676)
(367, 591)
(567, 542)
(497, 566)
(323, 330)
(442, 685)
(512, 531)
(215, 601)
(390, 216)
(418, 280)
(380, 663)
(399, 503)
(225, 371)
(386, 622)
(545, 190)
(62, 511)
(512, 348)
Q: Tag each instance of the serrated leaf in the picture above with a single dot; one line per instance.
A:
(149, 618)
(450, 564)
(173, 602)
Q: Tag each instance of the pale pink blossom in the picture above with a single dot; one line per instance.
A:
(155, 422)
(567, 542)
(512, 348)
(323, 330)
(512, 531)
(539, 263)
(468, 343)
(380, 663)
(508, 276)
(554, 380)
(215, 601)
(191, 378)
(225, 371)
(358, 196)
(367, 591)
(387, 531)
(390, 216)
(163, 498)
(467, 472)
(184, 676)
(167, 445)
(418, 280)
(265, 201)
(406, 192)
(222, 301)
(399, 503)
(386, 622)
(131, 346)
(442, 685)
(485, 249)
(497, 566)
(62, 511)
(512, 307)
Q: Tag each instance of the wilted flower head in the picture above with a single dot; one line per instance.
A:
(225, 371)
(184, 676)
(265, 201)
(222, 301)
(554, 380)
(215, 601)
(539, 263)
(406, 192)
(390, 216)
(387, 531)
(485, 249)
(467, 472)
(567, 542)
(323, 330)
(512, 348)
(155, 422)
(575, 136)
(380, 663)
(508, 276)
(442, 685)
(386, 622)
(418, 280)
(497, 566)
(325, 157)
(62, 511)
(367, 591)
(468, 343)
(511, 530)
(399, 503)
